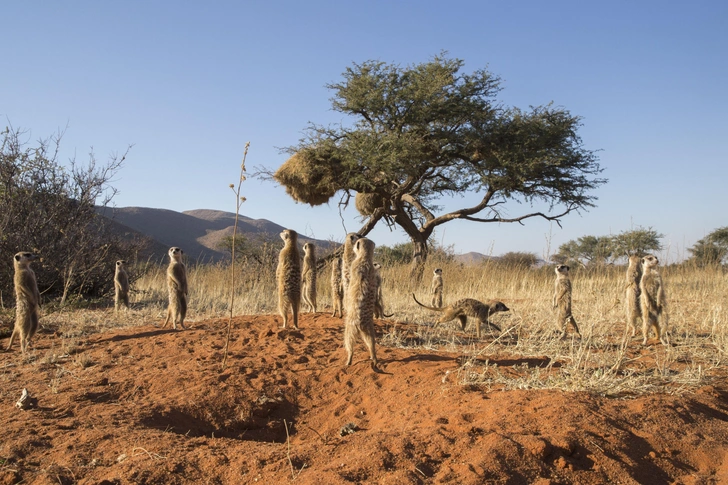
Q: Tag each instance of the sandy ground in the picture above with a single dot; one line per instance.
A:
(150, 405)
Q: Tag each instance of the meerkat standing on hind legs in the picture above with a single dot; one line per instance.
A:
(653, 302)
(177, 288)
(27, 300)
(562, 300)
(632, 293)
(436, 288)
(360, 301)
(337, 289)
(121, 286)
(308, 279)
(347, 258)
(379, 303)
(468, 307)
(288, 275)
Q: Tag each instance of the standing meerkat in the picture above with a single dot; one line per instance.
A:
(468, 307)
(27, 300)
(632, 293)
(652, 300)
(379, 302)
(436, 288)
(177, 288)
(360, 300)
(347, 258)
(337, 290)
(288, 275)
(308, 278)
(121, 286)
(562, 300)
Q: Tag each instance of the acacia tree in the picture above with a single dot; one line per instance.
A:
(712, 249)
(595, 250)
(429, 130)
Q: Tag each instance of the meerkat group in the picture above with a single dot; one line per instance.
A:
(27, 300)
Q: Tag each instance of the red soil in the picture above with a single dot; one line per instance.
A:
(151, 405)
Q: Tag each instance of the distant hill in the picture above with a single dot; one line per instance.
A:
(473, 258)
(198, 232)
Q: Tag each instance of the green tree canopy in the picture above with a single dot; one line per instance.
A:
(429, 130)
(712, 249)
(595, 250)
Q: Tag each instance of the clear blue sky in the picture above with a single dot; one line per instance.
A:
(188, 83)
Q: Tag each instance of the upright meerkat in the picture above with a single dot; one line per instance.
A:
(121, 286)
(468, 307)
(347, 258)
(360, 301)
(652, 300)
(562, 300)
(632, 293)
(27, 300)
(288, 275)
(308, 278)
(177, 289)
(337, 289)
(436, 288)
(379, 301)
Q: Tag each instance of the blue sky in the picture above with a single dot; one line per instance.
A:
(188, 83)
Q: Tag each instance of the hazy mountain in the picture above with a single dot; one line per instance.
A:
(198, 232)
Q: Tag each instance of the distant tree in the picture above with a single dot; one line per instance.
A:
(54, 209)
(586, 250)
(638, 241)
(519, 259)
(712, 249)
(428, 130)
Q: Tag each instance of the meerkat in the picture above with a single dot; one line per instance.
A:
(288, 275)
(121, 286)
(562, 300)
(652, 300)
(27, 300)
(436, 288)
(379, 302)
(177, 289)
(308, 279)
(468, 307)
(360, 301)
(632, 296)
(337, 289)
(347, 258)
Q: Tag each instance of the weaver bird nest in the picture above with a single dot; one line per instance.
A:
(309, 178)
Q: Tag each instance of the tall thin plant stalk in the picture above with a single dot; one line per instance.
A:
(238, 202)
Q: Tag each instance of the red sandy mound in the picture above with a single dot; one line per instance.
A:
(150, 405)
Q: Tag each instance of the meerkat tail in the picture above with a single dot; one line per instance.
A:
(425, 306)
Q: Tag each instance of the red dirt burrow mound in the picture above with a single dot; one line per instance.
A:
(152, 406)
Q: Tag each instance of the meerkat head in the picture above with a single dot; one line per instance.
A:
(364, 247)
(289, 235)
(351, 238)
(438, 271)
(562, 269)
(121, 263)
(308, 247)
(496, 306)
(649, 261)
(377, 266)
(24, 258)
(175, 254)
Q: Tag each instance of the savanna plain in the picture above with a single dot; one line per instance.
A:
(121, 400)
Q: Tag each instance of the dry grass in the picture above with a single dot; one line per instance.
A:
(527, 355)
